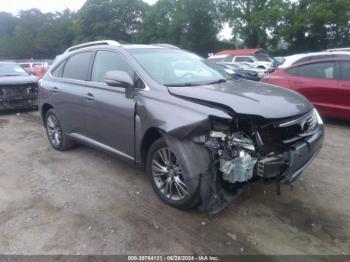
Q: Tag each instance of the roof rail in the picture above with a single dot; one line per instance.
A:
(101, 42)
(167, 46)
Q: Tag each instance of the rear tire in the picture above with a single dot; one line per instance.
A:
(55, 134)
(167, 179)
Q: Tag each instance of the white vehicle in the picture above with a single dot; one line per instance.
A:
(262, 62)
(300, 58)
(261, 72)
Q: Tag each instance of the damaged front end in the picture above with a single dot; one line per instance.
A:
(23, 96)
(243, 150)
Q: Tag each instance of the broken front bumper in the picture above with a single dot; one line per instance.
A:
(18, 102)
(299, 156)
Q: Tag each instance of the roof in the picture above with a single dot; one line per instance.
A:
(334, 59)
(347, 49)
(290, 60)
(241, 52)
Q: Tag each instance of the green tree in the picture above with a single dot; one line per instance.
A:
(253, 21)
(312, 25)
(190, 24)
(111, 19)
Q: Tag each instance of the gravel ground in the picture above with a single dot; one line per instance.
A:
(86, 202)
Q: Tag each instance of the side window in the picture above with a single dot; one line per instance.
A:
(244, 59)
(320, 57)
(302, 60)
(318, 70)
(57, 72)
(345, 71)
(109, 61)
(342, 55)
(77, 66)
(294, 71)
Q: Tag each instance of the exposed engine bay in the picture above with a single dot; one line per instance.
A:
(243, 151)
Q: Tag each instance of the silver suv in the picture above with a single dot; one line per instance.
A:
(201, 135)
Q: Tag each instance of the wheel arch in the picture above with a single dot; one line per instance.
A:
(150, 136)
(45, 107)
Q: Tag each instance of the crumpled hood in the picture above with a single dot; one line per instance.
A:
(17, 80)
(248, 97)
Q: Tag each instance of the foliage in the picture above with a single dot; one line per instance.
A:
(253, 19)
(190, 24)
(112, 19)
(281, 26)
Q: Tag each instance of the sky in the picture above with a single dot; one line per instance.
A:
(14, 6)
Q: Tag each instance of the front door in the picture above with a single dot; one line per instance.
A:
(108, 113)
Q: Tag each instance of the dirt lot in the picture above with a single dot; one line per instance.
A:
(87, 202)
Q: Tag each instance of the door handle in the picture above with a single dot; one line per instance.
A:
(55, 90)
(345, 85)
(89, 97)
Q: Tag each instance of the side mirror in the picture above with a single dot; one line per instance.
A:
(118, 79)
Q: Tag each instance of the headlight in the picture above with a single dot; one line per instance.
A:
(319, 119)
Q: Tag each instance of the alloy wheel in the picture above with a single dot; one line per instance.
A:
(54, 130)
(167, 174)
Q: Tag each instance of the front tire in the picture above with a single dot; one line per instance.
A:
(167, 178)
(55, 134)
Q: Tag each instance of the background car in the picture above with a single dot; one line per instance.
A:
(301, 58)
(254, 61)
(236, 70)
(258, 57)
(37, 68)
(18, 89)
(326, 83)
(247, 66)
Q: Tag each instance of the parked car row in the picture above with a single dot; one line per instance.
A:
(37, 68)
(322, 77)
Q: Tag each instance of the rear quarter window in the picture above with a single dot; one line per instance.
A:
(57, 72)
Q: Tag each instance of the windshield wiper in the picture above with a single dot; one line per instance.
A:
(10, 75)
(197, 83)
(216, 82)
(182, 84)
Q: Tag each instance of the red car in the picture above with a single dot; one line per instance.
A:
(326, 83)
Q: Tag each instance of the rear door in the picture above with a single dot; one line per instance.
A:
(316, 81)
(344, 89)
(108, 113)
(67, 87)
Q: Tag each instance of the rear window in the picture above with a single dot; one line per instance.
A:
(77, 66)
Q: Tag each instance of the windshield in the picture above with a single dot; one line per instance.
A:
(11, 70)
(178, 68)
